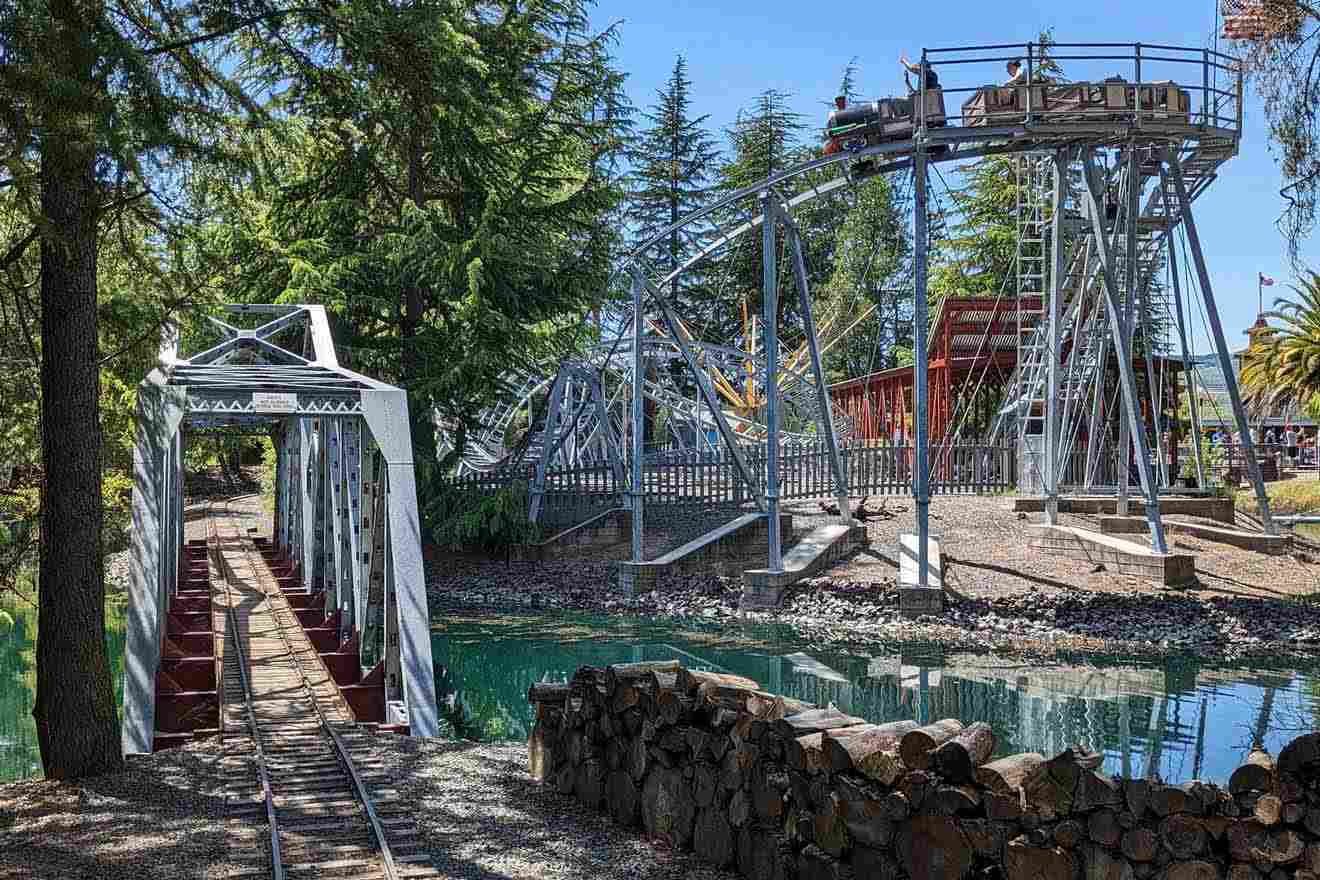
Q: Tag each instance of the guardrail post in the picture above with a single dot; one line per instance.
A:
(1031, 69)
(1205, 87)
(1136, 89)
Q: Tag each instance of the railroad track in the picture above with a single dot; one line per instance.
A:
(329, 810)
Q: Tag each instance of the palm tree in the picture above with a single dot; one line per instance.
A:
(1281, 369)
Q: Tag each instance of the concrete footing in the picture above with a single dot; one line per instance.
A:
(915, 600)
(726, 550)
(609, 530)
(1215, 508)
(1272, 545)
(1116, 554)
(819, 549)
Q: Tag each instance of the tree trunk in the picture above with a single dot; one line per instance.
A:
(845, 751)
(1255, 775)
(916, 746)
(958, 758)
(77, 726)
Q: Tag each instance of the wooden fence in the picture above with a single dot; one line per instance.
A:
(711, 479)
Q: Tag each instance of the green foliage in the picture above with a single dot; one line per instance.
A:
(672, 160)
(979, 258)
(441, 182)
(464, 520)
(1281, 368)
(1212, 456)
(871, 251)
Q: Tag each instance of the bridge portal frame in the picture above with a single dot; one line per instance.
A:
(321, 415)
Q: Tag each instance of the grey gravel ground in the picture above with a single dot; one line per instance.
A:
(155, 820)
(481, 815)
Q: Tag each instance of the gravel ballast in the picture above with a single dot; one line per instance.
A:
(479, 814)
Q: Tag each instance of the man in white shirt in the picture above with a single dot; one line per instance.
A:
(1290, 443)
(1016, 75)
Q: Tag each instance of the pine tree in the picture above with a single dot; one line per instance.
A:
(766, 140)
(673, 163)
(107, 108)
(451, 173)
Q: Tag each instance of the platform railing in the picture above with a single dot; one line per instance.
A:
(1132, 83)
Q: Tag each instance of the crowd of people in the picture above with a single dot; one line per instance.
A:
(1295, 446)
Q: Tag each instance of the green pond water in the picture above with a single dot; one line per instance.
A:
(1177, 718)
(19, 755)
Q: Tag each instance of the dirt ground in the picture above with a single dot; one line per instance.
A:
(987, 553)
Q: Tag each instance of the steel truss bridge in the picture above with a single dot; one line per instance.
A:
(345, 521)
(1109, 166)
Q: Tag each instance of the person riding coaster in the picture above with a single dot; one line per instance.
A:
(853, 127)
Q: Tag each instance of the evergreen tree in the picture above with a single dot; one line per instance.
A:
(447, 183)
(870, 257)
(979, 256)
(673, 162)
(107, 108)
(765, 140)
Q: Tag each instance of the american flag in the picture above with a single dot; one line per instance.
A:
(1265, 280)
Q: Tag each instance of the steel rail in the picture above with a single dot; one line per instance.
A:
(231, 619)
(359, 787)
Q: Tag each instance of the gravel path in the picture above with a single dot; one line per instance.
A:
(479, 812)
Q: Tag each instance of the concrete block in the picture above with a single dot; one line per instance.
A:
(916, 601)
(1258, 542)
(816, 551)
(908, 551)
(1116, 554)
(726, 550)
(1208, 507)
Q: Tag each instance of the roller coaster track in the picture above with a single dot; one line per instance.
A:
(326, 806)
(1201, 142)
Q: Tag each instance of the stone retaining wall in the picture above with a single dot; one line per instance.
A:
(781, 789)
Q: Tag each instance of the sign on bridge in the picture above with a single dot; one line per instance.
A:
(274, 402)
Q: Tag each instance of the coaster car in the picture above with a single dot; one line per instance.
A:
(887, 119)
(1113, 99)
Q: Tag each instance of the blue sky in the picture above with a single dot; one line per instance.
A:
(738, 48)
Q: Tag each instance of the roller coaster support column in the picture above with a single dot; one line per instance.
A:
(921, 371)
(638, 419)
(1126, 431)
(1053, 350)
(702, 379)
(817, 371)
(770, 323)
(551, 437)
(1123, 350)
(1182, 330)
(1221, 345)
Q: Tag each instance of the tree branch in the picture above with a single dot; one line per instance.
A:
(15, 253)
(226, 31)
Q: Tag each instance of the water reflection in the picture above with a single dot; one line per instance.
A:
(1178, 720)
(20, 757)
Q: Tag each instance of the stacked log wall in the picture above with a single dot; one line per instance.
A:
(781, 789)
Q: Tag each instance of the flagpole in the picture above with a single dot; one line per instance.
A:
(1260, 294)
